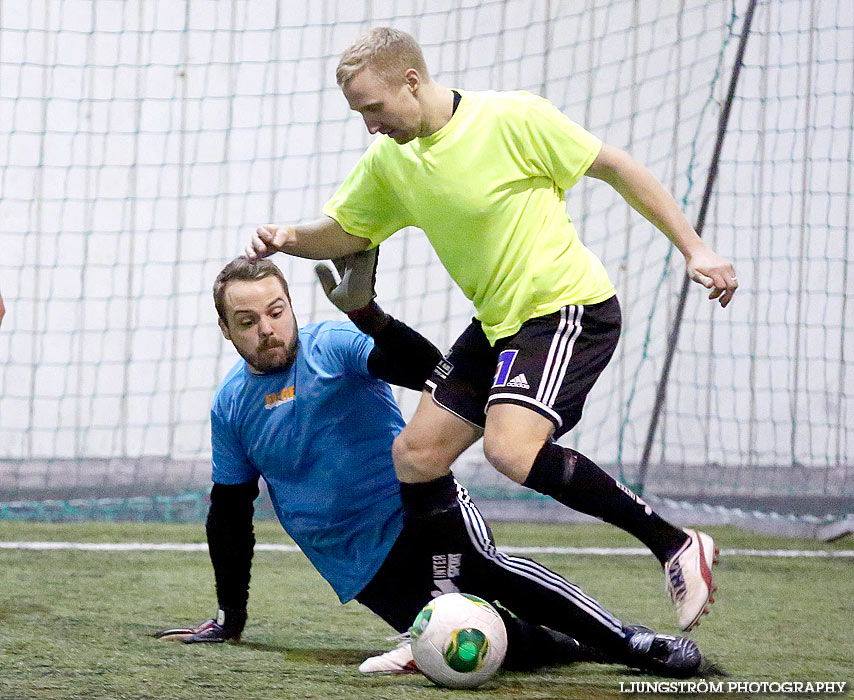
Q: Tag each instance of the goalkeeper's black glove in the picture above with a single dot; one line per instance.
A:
(227, 627)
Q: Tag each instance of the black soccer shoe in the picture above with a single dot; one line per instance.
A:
(662, 654)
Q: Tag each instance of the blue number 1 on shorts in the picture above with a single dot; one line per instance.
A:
(505, 363)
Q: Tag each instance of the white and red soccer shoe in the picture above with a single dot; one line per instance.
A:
(688, 577)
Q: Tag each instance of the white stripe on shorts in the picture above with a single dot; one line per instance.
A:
(560, 352)
(526, 399)
(531, 570)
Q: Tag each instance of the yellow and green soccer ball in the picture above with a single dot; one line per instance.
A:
(458, 640)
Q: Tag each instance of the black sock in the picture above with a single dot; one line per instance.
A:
(429, 497)
(569, 477)
(433, 518)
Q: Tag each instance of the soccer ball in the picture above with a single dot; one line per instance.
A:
(458, 640)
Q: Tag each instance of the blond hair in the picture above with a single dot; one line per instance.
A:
(390, 52)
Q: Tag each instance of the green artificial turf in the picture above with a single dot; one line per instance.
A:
(76, 624)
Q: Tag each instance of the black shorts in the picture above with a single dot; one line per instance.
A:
(548, 366)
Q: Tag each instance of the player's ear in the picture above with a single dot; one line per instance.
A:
(413, 80)
(224, 329)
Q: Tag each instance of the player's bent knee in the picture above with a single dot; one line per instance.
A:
(511, 455)
(416, 459)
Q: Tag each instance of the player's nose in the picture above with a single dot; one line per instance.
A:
(265, 328)
(372, 125)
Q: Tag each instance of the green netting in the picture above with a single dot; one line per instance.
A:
(180, 508)
(142, 141)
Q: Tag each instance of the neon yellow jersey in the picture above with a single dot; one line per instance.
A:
(488, 190)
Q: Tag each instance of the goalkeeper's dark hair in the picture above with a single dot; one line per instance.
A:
(244, 270)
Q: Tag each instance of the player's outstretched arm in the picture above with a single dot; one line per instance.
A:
(231, 543)
(401, 355)
(2, 310)
(319, 239)
(646, 195)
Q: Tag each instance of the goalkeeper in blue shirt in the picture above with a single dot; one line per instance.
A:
(310, 411)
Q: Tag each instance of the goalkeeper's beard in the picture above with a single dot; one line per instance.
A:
(272, 356)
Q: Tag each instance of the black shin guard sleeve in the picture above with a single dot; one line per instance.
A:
(231, 541)
(551, 472)
(432, 516)
(574, 480)
(428, 498)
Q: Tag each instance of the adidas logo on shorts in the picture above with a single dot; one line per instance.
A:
(519, 381)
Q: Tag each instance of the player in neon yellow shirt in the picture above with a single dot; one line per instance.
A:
(502, 230)
(484, 175)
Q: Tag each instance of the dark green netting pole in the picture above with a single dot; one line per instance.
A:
(673, 339)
